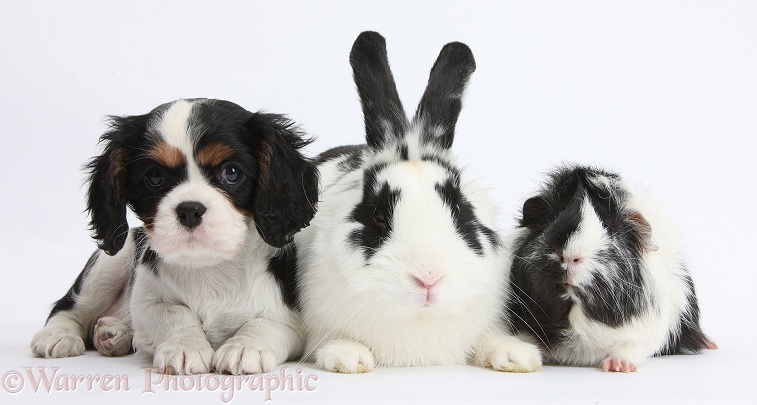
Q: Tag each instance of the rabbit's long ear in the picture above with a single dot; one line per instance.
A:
(441, 102)
(384, 116)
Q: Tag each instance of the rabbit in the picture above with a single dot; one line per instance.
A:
(597, 275)
(401, 265)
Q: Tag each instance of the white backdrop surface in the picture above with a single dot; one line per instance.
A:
(664, 93)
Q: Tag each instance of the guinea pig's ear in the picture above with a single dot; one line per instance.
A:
(441, 103)
(535, 209)
(287, 189)
(384, 116)
(643, 230)
(106, 199)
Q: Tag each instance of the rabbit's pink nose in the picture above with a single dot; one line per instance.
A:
(426, 282)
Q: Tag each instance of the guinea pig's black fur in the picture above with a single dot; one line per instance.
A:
(588, 252)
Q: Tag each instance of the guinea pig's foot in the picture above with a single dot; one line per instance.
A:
(111, 337)
(508, 354)
(618, 364)
(344, 356)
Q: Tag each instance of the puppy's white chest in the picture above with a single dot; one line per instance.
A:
(224, 299)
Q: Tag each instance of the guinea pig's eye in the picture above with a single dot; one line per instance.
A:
(379, 217)
(154, 177)
(231, 174)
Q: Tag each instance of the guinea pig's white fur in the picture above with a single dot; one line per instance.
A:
(666, 293)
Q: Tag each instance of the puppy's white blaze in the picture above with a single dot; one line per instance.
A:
(586, 242)
(173, 127)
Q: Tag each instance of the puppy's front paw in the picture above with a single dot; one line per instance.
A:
(187, 356)
(55, 343)
(508, 353)
(242, 355)
(618, 364)
(111, 337)
(344, 356)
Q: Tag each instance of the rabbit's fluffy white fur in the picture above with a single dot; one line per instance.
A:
(401, 265)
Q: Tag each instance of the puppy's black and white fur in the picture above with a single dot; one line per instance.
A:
(204, 284)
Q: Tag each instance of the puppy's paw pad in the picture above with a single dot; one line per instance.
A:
(57, 343)
(509, 354)
(240, 358)
(111, 337)
(343, 356)
(190, 357)
(618, 364)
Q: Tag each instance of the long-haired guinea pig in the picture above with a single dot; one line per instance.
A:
(401, 266)
(597, 275)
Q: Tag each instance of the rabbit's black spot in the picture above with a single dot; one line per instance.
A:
(404, 153)
(464, 217)
(370, 174)
(351, 155)
(375, 214)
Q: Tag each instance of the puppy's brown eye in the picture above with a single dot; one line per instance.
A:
(154, 178)
(231, 175)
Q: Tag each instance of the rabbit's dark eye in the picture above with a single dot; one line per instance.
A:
(379, 218)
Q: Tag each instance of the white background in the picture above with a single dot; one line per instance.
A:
(664, 93)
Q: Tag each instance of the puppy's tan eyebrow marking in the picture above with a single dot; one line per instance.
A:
(214, 154)
(167, 155)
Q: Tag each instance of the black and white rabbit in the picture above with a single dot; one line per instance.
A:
(401, 265)
(598, 277)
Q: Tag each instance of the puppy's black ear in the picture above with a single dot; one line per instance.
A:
(106, 199)
(287, 191)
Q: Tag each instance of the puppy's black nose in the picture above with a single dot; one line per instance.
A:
(190, 213)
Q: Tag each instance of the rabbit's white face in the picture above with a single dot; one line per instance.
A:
(420, 240)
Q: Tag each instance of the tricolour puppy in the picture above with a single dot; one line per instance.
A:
(205, 284)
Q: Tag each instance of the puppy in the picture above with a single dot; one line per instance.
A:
(205, 283)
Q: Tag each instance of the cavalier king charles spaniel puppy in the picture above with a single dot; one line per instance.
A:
(207, 282)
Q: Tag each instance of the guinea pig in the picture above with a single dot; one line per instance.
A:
(597, 275)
